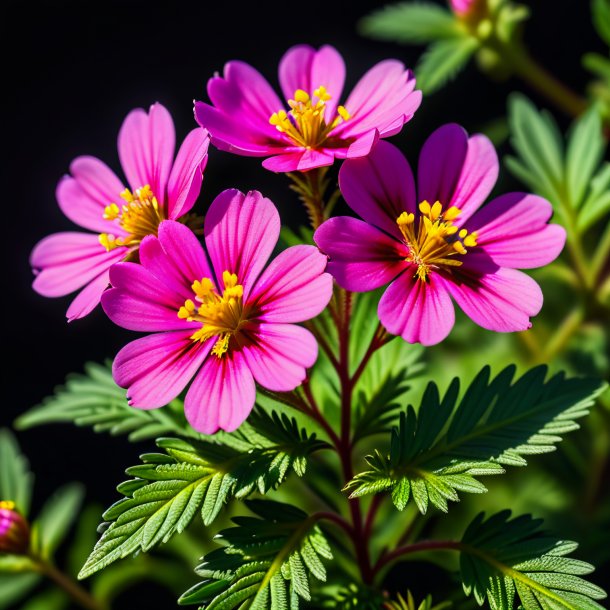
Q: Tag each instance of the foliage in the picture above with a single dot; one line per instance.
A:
(169, 488)
(503, 559)
(16, 480)
(409, 604)
(441, 449)
(266, 562)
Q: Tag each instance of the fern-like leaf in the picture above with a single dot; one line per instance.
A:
(503, 560)
(169, 488)
(266, 563)
(442, 449)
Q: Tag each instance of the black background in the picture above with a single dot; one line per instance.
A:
(77, 70)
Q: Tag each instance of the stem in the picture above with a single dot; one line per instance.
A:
(376, 343)
(80, 595)
(569, 326)
(600, 260)
(316, 414)
(371, 514)
(335, 518)
(311, 186)
(417, 547)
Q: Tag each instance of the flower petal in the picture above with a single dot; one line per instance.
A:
(294, 287)
(384, 96)
(222, 395)
(139, 301)
(363, 144)
(362, 257)
(83, 196)
(187, 173)
(380, 187)
(240, 233)
(68, 261)
(156, 368)
(512, 229)
(280, 356)
(295, 70)
(502, 301)
(420, 312)
(89, 297)
(300, 161)
(146, 148)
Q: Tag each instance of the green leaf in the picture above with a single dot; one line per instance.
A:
(442, 61)
(409, 604)
(410, 22)
(51, 599)
(503, 560)
(14, 587)
(170, 488)
(56, 518)
(601, 18)
(442, 449)
(266, 562)
(94, 400)
(16, 480)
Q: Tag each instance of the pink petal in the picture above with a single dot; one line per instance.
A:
(512, 229)
(301, 161)
(362, 257)
(295, 70)
(502, 301)
(420, 312)
(146, 148)
(363, 144)
(383, 96)
(156, 368)
(240, 233)
(139, 301)
(222, 395)
(83, 197)
(187, 173)
(380, 187)
(68, 261)
(88, 298)
(280, 356)
(288, 162)
(294, 287)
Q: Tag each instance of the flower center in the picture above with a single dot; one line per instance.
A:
(305, 123)
(221, 316)
(434, 241)
(139, 216)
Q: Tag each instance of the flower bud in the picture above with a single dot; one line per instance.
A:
(14, 530)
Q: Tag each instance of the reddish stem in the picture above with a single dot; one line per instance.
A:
(337, 519)
(371, 514)
(314, 411)
(417, 547)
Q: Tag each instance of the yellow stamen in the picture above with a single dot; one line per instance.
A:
(221, 315)
(305, 124)
(433, 241)
(139, 216)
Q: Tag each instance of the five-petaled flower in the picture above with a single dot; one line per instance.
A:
(224, 326)
(310, 129)
(94, 198)
(439, 244)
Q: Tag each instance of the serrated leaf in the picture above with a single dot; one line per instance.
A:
(411, 22)
(442, 61)
(16, 480)
(170, 488)
(444, 447)
(601, 18)
(56, 518)
(503, 559)
(94, 400)
(265, 563)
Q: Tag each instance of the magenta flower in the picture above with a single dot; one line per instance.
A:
(309, 129)
(224, 326)
(14, 530)
(94, 198)
(445, 246)
(464, 8)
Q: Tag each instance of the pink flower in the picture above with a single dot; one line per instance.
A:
(463, 8)
(445, 246)
(224, 326)
(14, 530)
(94, 198)
(309, 129)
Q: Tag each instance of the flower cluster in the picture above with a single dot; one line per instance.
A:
(221, 319)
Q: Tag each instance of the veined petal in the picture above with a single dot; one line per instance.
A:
(420, 312)
(156, 368)
(222, 394)
(301, 161)
(380, 187)
(362, 257)
(146, 148)
(89, 297)
(280, 356)
(187, 173)
(294, 287)
(240, 233)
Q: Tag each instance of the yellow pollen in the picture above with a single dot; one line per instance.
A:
(7, 505)
(221, 315)
(305, 123)
(434, 240)
(139, 216)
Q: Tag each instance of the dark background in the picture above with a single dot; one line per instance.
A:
(78, 69)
